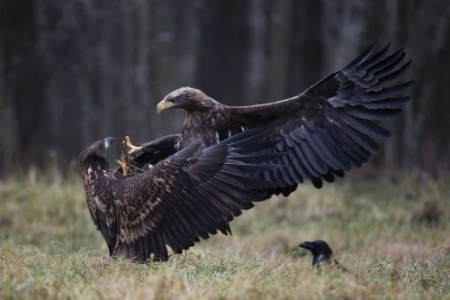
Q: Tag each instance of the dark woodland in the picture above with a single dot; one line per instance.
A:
(74, 71)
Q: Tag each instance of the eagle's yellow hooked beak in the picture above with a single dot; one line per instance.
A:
(163, 105)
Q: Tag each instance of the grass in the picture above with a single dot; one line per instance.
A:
(392, 233)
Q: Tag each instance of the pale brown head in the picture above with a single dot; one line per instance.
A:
(186, 98)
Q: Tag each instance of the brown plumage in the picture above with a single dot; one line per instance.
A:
(184, 197)
(326, 130)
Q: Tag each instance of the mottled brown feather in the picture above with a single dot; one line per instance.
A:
(189, 195)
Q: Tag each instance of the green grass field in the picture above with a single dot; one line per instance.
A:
(393, 234)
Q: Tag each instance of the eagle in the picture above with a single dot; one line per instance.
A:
(326, 130)
(189, 195)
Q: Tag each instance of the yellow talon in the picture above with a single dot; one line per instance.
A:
(123, 162)
(131, 148)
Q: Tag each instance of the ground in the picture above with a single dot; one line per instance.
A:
(392, 233)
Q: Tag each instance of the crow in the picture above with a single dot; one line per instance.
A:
(322, 254)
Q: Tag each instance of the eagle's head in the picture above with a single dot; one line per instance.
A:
(96, 150)
(186, 98)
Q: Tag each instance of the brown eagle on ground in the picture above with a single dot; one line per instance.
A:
(326, 130)
(187, 196)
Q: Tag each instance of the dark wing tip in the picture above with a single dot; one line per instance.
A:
(363, 56)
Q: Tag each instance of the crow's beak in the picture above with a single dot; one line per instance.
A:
(308, 245)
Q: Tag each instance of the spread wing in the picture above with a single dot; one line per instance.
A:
(190, 195)
(103, 213)
(100, 188)
(330, 128)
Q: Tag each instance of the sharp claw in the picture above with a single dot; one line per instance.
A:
(131, 148)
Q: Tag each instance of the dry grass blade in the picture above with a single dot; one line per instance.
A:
(393, 237)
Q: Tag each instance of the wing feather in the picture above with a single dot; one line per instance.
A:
(191, 195)
(329, 128)
(103, 213)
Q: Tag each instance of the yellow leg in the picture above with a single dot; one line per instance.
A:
(123, 162)
(131, 148)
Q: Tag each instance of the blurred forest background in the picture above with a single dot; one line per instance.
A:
(74, 71)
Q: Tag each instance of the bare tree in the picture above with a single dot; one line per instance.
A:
(76, 70)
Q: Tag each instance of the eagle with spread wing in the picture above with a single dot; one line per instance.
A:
(326, 130)
(182, 198)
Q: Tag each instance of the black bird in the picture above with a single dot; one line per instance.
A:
(322, 254)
